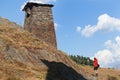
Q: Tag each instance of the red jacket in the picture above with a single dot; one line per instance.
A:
(95, 62)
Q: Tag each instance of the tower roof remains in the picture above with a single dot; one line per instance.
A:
(30, 4)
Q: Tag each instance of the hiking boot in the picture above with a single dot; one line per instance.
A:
(96, 74)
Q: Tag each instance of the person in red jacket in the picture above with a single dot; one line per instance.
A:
(96, 66)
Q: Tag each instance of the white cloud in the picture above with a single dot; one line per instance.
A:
(56, 26)
(105, 58)
(105, 23)
(78, 29)
(41, 1)
(110, 56)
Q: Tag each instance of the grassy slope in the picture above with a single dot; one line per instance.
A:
(104, 73)
(18, 38)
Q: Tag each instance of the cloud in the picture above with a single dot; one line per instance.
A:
(41, 1)
(78, 29)
(56, 26)
(105, 23)
(110, 56)
(105, 58)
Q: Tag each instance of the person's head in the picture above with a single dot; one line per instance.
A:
(95, 58)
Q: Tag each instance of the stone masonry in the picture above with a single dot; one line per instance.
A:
(39, 21)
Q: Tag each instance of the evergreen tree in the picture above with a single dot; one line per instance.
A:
(82, 60)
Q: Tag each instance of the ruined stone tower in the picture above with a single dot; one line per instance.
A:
(39, 21)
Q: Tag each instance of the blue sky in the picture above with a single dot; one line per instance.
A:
(83, 27)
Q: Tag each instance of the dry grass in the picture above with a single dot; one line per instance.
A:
(112, 78)
(13, 78)
(104, 73)
(19, 38)
(12, 71)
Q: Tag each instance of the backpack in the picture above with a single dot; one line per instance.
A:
(98, 66)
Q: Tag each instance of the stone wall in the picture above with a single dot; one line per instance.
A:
(39, 21)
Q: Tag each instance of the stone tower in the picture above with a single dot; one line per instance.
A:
(39, 21)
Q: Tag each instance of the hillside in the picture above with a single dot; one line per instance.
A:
(25, 57)
(104, 73)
